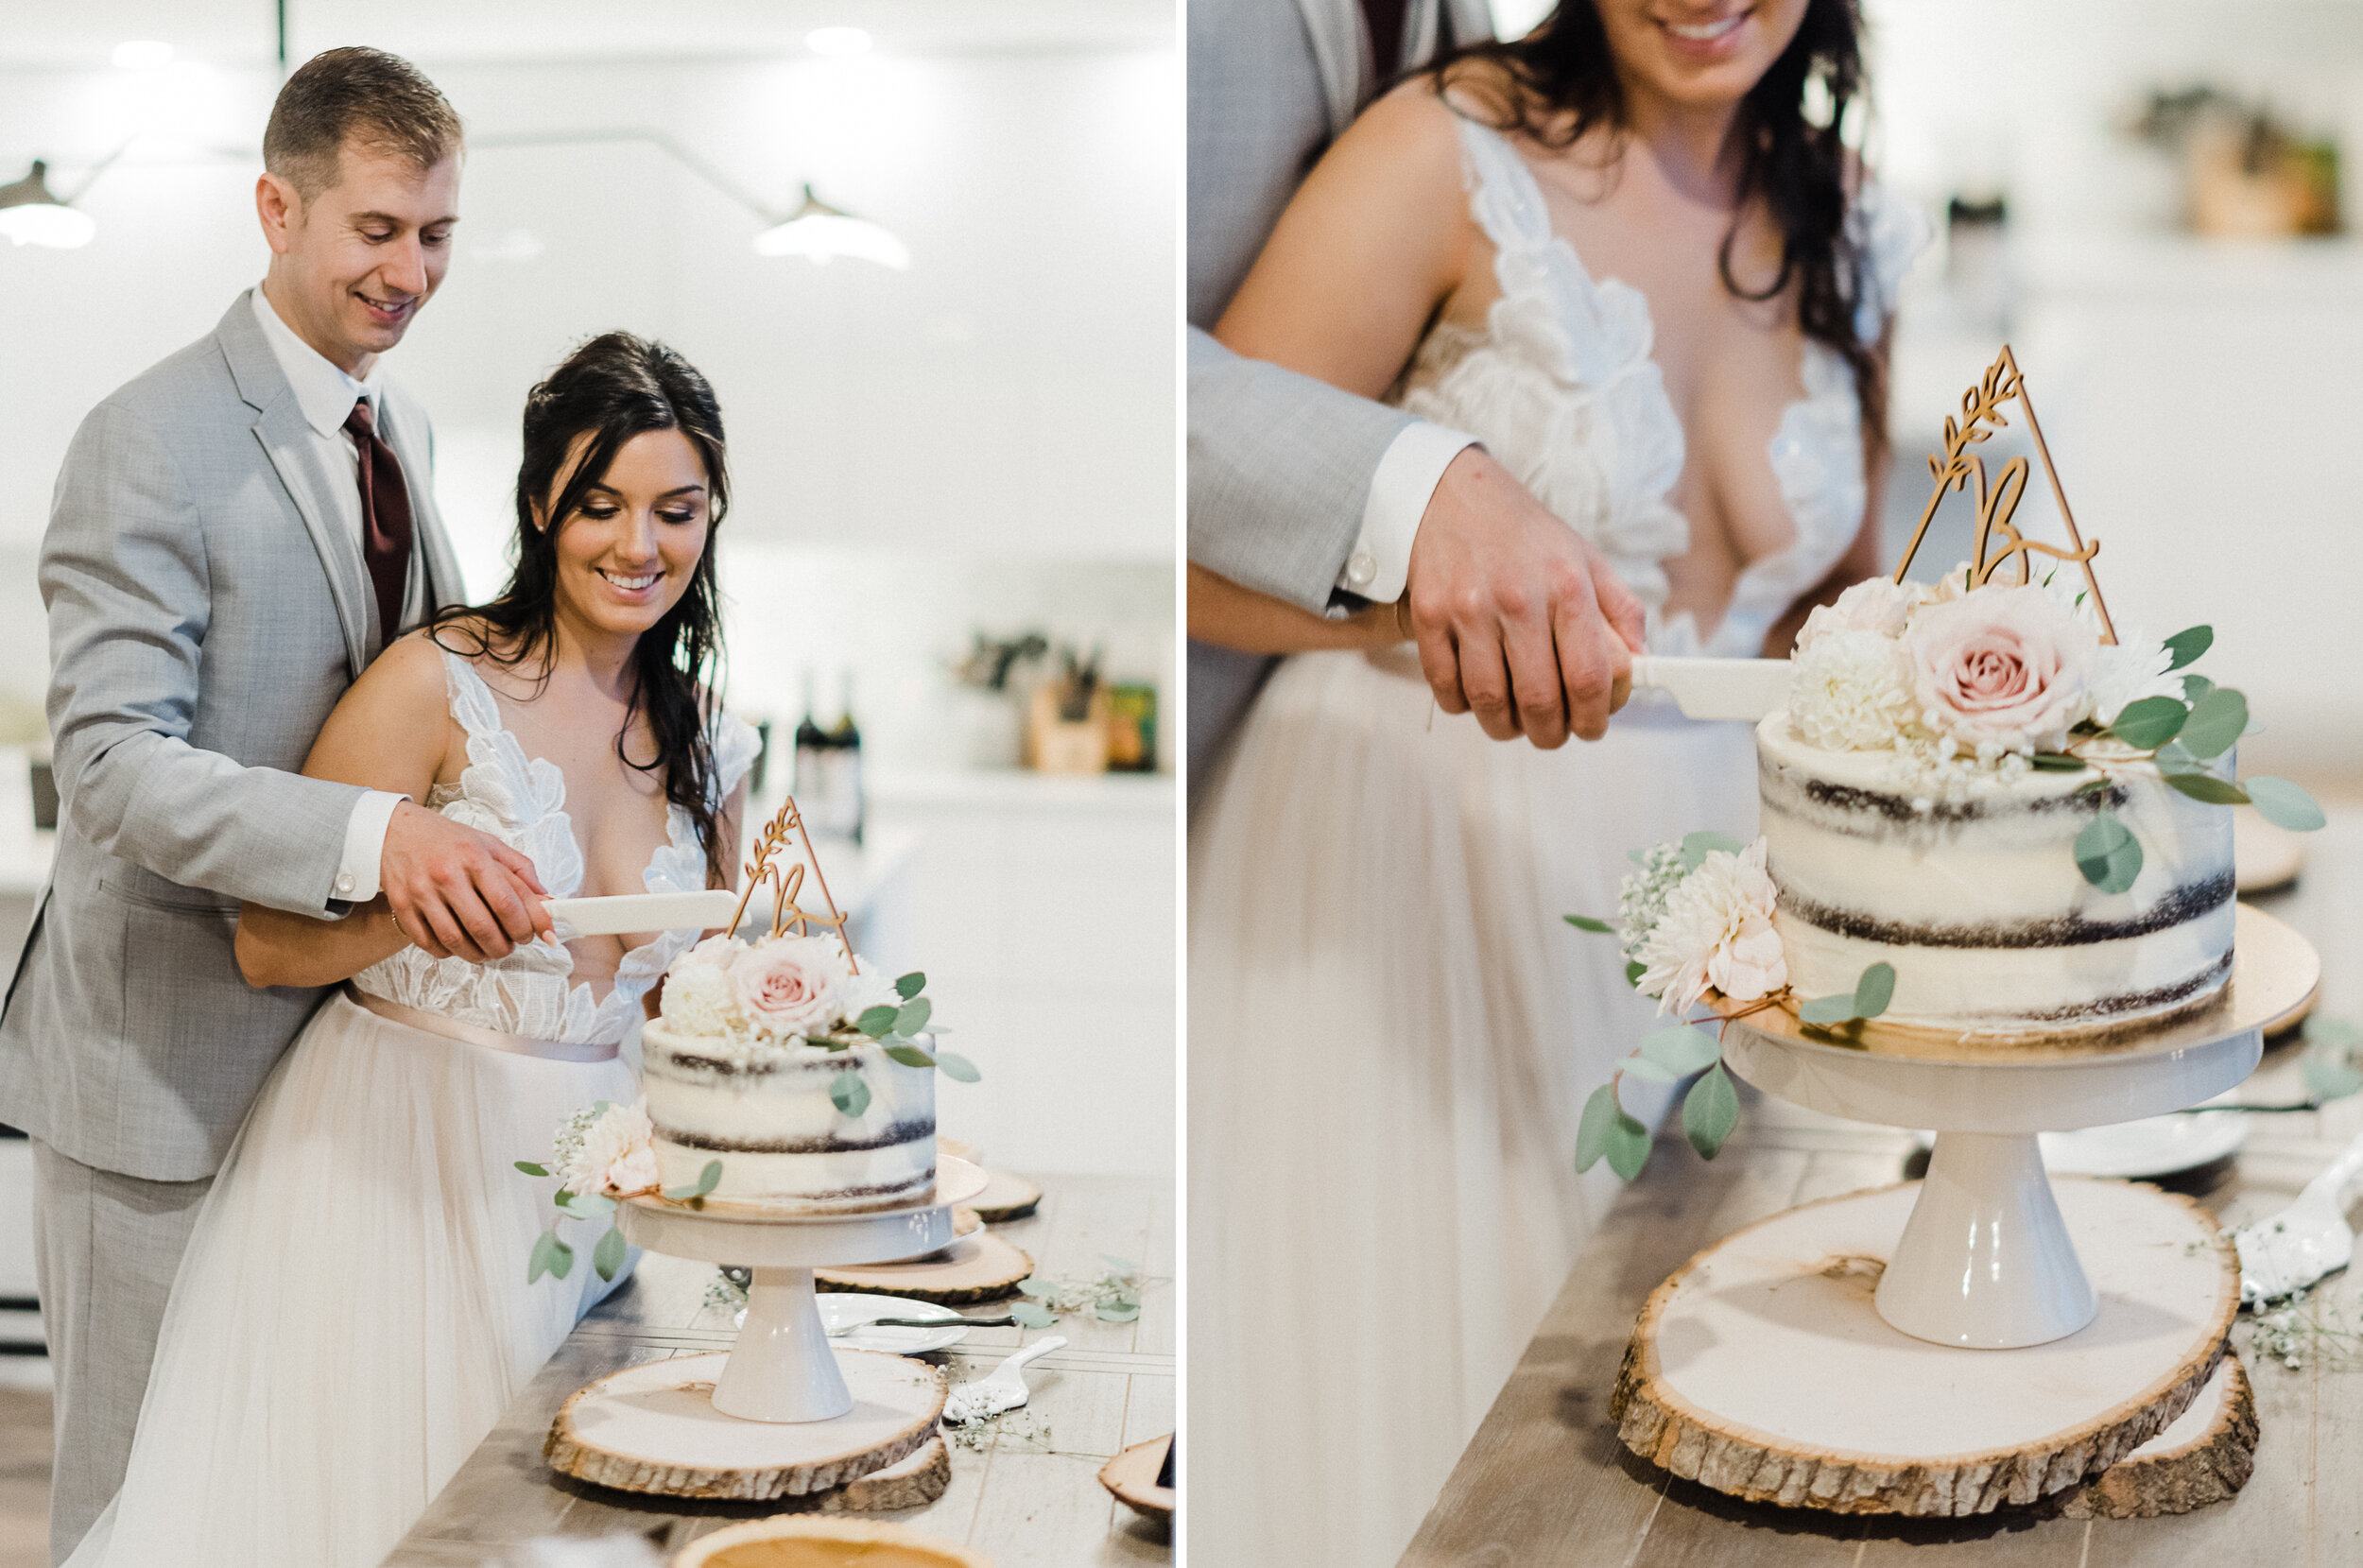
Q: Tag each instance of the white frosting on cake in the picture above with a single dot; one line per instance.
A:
(1975, 896)
(782, 1140)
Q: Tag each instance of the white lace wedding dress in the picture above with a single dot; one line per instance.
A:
(352, 1316)
(1392, 1029)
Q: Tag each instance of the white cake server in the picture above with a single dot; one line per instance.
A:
(1718, 688)
(708, 909)
(1002, 1389)
(2306, 1241)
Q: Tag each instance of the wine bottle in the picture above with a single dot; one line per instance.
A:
(847, 804)
(812, 778)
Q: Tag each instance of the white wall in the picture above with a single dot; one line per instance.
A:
(2198, 396)
(1010, 395)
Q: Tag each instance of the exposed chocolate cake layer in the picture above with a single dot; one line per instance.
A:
(2181, 904)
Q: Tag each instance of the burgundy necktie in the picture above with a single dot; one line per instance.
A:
(385, 520)
(1386, 19)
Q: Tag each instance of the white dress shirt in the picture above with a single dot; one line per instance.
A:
(326, 395)
(1401, 488)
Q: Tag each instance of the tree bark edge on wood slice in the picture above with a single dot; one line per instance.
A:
(910, 1483)
(996, 1270)
(2211, 1468)
(1658, 1424)
(1005, 1198)
(569, 1451)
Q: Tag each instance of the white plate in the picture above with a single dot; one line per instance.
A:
(838, 1308)
(2156, 1146)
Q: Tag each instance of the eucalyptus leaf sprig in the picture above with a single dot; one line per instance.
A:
(894, 1030)
(551, 1254)
(2183, 737)
(1710, 1108)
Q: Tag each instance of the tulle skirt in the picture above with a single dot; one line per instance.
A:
(1392, 1035)
(352, 1316)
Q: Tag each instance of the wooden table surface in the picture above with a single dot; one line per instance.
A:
(1544, 1480)
(1026, 1504)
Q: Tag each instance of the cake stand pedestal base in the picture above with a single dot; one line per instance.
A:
(655, 1428)
(1765, 1368)
(784, 1413)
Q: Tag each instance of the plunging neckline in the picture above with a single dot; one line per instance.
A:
(1614, 288)
(1561, 380)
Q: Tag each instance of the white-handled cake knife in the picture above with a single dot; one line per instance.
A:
(708, 909)
(1717, 688)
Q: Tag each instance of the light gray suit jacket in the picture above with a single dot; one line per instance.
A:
(206, 610)
(1280, 464)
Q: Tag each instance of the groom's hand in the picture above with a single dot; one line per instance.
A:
(1518, 618)
(459, 893)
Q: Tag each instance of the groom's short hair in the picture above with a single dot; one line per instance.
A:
(378, 101)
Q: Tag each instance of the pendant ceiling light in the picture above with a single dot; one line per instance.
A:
(819, 231)
(30, 216)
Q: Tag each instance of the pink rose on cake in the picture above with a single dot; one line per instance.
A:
(2001, 669)
(792, 985)
(1716, 931)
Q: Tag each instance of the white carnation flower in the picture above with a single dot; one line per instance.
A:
(873, 987)
(2127, 671)
(1716, 932)
(1851, 691)
(699, 999)
(608, 1147)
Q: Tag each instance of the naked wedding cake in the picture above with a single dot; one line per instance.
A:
(1969, 785)
(812, 1083)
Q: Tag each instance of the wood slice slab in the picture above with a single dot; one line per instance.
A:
(911, 1483)
(2204, 1457)
(1132, 1476)
(979, 1267)
(1005, 1198)
(1762, 1368)
(654, 1428)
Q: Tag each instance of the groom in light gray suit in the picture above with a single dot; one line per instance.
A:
(235, 534)
(1331, 501)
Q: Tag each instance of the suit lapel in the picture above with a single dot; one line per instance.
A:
(1336, 27)
(405, 434)
(279, 427)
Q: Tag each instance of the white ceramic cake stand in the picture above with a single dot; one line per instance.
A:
(1985, 1260)
(783, 1411)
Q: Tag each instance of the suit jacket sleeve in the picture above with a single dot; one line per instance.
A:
(123, 572)
(1279, 469)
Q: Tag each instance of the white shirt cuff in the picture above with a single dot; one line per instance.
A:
(365, 846)
(1401, 488)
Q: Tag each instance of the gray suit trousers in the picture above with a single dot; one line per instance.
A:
(107, 1247)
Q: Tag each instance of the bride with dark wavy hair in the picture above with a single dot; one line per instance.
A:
(354, 1311)
(1632, 254)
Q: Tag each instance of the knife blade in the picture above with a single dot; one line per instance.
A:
(1718, 688)
(707, 910)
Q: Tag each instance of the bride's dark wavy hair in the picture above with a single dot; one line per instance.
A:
(611, 389)
(1791, 158)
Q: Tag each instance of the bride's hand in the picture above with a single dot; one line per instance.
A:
(1518, 618)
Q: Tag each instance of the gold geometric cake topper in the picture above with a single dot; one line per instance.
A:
(1998, 539)
(784, 909)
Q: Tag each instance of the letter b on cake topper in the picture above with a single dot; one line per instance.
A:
(1959, 467)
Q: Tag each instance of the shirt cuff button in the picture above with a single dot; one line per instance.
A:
(344, 883)
(1361, 569)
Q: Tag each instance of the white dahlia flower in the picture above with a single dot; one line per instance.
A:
(1716, 931)
(616, 1154)
(699, 999)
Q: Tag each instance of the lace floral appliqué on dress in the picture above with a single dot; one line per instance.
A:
(522, 801)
